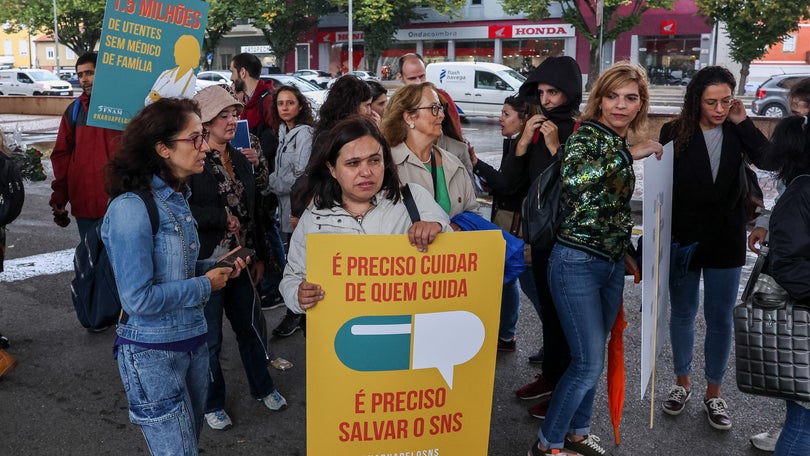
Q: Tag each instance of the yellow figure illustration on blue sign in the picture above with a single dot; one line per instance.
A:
(180, 81)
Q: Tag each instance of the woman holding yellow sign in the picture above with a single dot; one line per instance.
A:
(357, 191)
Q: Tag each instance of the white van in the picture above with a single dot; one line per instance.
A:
(33, 82)
(478, 88)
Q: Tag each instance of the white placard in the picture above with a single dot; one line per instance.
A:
(656, 242)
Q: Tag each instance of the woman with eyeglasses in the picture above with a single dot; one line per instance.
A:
(712, 136)
(224, 202)
(161, 337)
(412, 124)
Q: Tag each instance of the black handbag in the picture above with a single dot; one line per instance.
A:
(772, 339)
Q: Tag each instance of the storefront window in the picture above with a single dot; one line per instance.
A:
(669, 60)
(526, 55)
(391, 56)
(475, 51)
(435, 51)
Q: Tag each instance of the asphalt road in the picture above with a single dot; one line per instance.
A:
(66, 398)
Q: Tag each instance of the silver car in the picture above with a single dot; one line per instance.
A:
(772, 95)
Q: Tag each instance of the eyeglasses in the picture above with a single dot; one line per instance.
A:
(434, 109)
(725, 103)
(196, 140)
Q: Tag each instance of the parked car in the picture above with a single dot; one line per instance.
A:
(772, 95)
(33, 82)
(212, 77)
(317, 77)
(366, 75)
(315, 94)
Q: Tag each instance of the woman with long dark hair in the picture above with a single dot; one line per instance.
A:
(712, 137)
(161, 345)
(356, 191)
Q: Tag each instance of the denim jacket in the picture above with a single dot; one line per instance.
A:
(155, 275)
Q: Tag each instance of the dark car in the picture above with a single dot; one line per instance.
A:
(772, 95)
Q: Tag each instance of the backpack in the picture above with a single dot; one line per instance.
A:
(93, 289)
(12, 190)
(543, 210)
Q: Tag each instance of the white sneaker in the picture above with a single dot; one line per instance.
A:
(766, 441)
(275, 401)
(218, 420)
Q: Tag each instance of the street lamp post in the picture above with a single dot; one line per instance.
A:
(56, 36)
(351, 36)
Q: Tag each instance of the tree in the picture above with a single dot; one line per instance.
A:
(619, 16)
(754, 25)
(221, 17)
(380, 19)
(283, 21)
(79, 21)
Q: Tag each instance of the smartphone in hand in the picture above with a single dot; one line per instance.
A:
(230, 258)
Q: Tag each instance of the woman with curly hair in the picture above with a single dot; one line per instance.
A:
(161, 336)
(348, 95)
(712, 137)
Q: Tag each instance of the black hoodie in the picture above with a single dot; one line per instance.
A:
(564, 74)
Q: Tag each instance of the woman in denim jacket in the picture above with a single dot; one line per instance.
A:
(161, 344)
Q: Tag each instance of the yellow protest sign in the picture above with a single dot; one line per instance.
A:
(401, 352)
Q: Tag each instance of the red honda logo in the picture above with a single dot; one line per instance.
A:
(668, 27)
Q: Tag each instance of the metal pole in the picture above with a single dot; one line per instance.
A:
(56, 36)
(351, 41)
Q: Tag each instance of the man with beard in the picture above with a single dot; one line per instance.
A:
(79, 156)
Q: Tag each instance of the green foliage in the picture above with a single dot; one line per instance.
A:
(79, 21)
(283, 21)
(30, 163)
(221, 17)
(619, 16)
(754, 25)
(380, 19)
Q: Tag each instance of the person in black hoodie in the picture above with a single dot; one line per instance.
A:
(553, 92)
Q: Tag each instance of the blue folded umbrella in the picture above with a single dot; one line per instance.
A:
(514, 263)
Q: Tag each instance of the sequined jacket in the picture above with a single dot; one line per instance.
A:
(597, 184)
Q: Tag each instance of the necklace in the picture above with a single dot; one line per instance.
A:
(359, 217)
(430, 157)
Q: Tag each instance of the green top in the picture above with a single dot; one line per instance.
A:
(441, 194)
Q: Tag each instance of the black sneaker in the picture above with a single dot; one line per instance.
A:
(717, 413)
(589, 446)
(676, 400)
(289, 325)
(538, 357)
(536, 451)
(269, 302)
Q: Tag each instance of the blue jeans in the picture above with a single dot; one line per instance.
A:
(719, 295)
(166, 391)
(510, 308)
(587, 292)
(236, 300)
(795, 437)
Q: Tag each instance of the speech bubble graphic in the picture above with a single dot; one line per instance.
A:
(435, 345)
(441, 340)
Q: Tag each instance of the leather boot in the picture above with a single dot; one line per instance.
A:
(7, 363)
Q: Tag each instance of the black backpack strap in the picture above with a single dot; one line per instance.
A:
(410, 204)
(151, 209)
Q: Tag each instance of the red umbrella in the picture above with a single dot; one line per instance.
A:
(615, 373)
(615, 369)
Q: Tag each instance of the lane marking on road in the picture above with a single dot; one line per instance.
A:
(37, 265)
